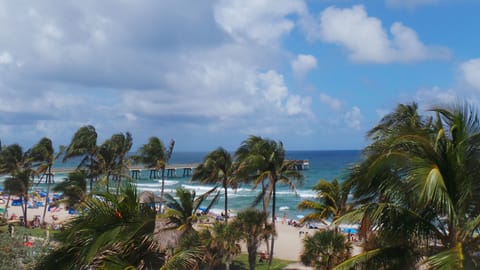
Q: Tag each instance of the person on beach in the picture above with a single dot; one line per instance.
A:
(11, 229)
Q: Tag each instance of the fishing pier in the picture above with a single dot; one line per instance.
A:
(137, 172)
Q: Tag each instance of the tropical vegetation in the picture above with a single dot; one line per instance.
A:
(154, 155)
(416, 191)
(217, 167)
(263, 160)
(325, 249)
(115, 231)
(414, 194)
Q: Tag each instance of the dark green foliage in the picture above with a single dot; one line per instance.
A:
(113, 232)
(325, 249)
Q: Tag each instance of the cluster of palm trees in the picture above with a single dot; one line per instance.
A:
(258, 161)
(21, 166)
(112, 224)
(98, 163)
(90, 240)
(415, 194)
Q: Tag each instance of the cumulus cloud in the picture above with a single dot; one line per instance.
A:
(303, 63)
(5, 58)
(198, 67)
(470, 71)
(261, 21)
(409, 3)
(436, 96)
(353, 118)
(367, 40)
(333, 103)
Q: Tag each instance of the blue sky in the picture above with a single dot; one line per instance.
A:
(314, 74)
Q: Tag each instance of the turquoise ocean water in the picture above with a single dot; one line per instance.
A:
(323, 165)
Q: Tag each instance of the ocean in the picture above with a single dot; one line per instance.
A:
(326, 165)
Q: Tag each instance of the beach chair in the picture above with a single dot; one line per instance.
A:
(264, 257)
(16, 202)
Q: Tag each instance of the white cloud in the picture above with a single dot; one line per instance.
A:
(273, 87)
(262, 21)
(334, 103)
(471, 72)
(303, 63)
(6, 58)
(436, 96)
(298, 105)
(367, 40)
(353, 118)
(409, 3)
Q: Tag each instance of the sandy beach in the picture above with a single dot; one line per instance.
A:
(289, 242)
(56, 215)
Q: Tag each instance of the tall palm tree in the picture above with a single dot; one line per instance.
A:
(112, 156)
(331, 201)
(115, 232)
(16, 163)
(217, 167)
(84, 145)
(253, 227)
(154, 155)
(74, 189)
(11, 186)
(429, 168)
(182, 212)
(43, 155)
(260, 159)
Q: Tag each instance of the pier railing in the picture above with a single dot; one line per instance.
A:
(137, 170)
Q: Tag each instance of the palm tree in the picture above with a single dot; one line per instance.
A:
(260, 159)
(74, 188)
(331, 201)
(225, 238)
(11, 186)
(219, 244)
(112, 156)
(84, 144)
(154, 155)
(324, 249)
(252, 224)
(115, 232)
(217, 167)
(429, 192)
(182, 212)
(16, 163)
(43, 156)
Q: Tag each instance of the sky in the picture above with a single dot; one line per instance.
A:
(314, 74)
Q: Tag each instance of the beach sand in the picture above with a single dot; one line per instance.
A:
(56, 215)
(289, 243)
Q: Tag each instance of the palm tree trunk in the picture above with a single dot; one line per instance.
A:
(273, 223)
(6, 207)
(49, 181)
(24, 208)
(252, 255)
(265, 206)
(162, 190)
(108, 181)
(226, 203)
